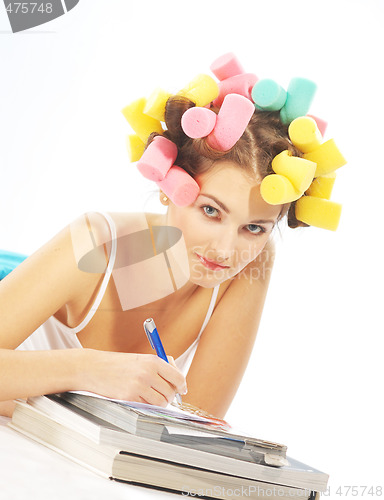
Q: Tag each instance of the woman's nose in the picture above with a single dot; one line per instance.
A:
(224, 245)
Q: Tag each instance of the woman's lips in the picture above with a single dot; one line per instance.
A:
(211, 264)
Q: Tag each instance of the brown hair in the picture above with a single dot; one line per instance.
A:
(264, 138)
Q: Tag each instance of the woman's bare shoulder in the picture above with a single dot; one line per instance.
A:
(49, 278)
(134, 221)
(92, 230)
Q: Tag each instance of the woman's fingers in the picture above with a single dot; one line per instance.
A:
(171, 361)
(135, 377)
(154, 397)
(173, 375)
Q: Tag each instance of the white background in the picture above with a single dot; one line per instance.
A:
(314, 381)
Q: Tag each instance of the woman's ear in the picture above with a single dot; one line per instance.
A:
(164, 200)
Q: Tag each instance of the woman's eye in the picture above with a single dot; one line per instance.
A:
(210, 211)
(255, 229)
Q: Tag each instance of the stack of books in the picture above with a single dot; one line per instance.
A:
(165, 448)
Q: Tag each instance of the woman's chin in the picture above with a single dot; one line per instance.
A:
(208, 280)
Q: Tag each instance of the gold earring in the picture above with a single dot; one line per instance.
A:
(164, 199)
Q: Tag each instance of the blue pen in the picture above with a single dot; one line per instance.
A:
(154, 339)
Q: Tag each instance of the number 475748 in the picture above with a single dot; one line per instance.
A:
(29, 7)
(355, 491)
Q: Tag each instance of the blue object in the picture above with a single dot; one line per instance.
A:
(8, 262)
(300, 94)
(154, 339)
(268, 95)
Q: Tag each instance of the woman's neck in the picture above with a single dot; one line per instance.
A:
(184, 292)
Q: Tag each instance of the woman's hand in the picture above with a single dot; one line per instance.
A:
(144, 378)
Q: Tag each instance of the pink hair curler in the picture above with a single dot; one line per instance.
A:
(226, 66)
(232, 120)
(198, 122)
(157, 159)
(179, 186)
(239, 84)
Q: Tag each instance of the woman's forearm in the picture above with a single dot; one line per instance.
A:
(32, 373)
(129, 376)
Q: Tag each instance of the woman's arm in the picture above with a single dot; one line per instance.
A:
(129, 376)
(35, 290)
(31, 373)
(41, 285)
(226, 344)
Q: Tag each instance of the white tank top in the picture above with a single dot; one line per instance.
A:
(55, 335)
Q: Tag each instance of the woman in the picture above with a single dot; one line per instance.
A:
(207, 325)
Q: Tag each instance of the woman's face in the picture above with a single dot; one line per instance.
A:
(226, 227)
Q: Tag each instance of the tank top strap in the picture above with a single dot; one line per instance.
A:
(104, 283)
(210, 310)
(184, 361)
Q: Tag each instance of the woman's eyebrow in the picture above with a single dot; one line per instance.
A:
(221, 205)
(226, 209)
(263, 221)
